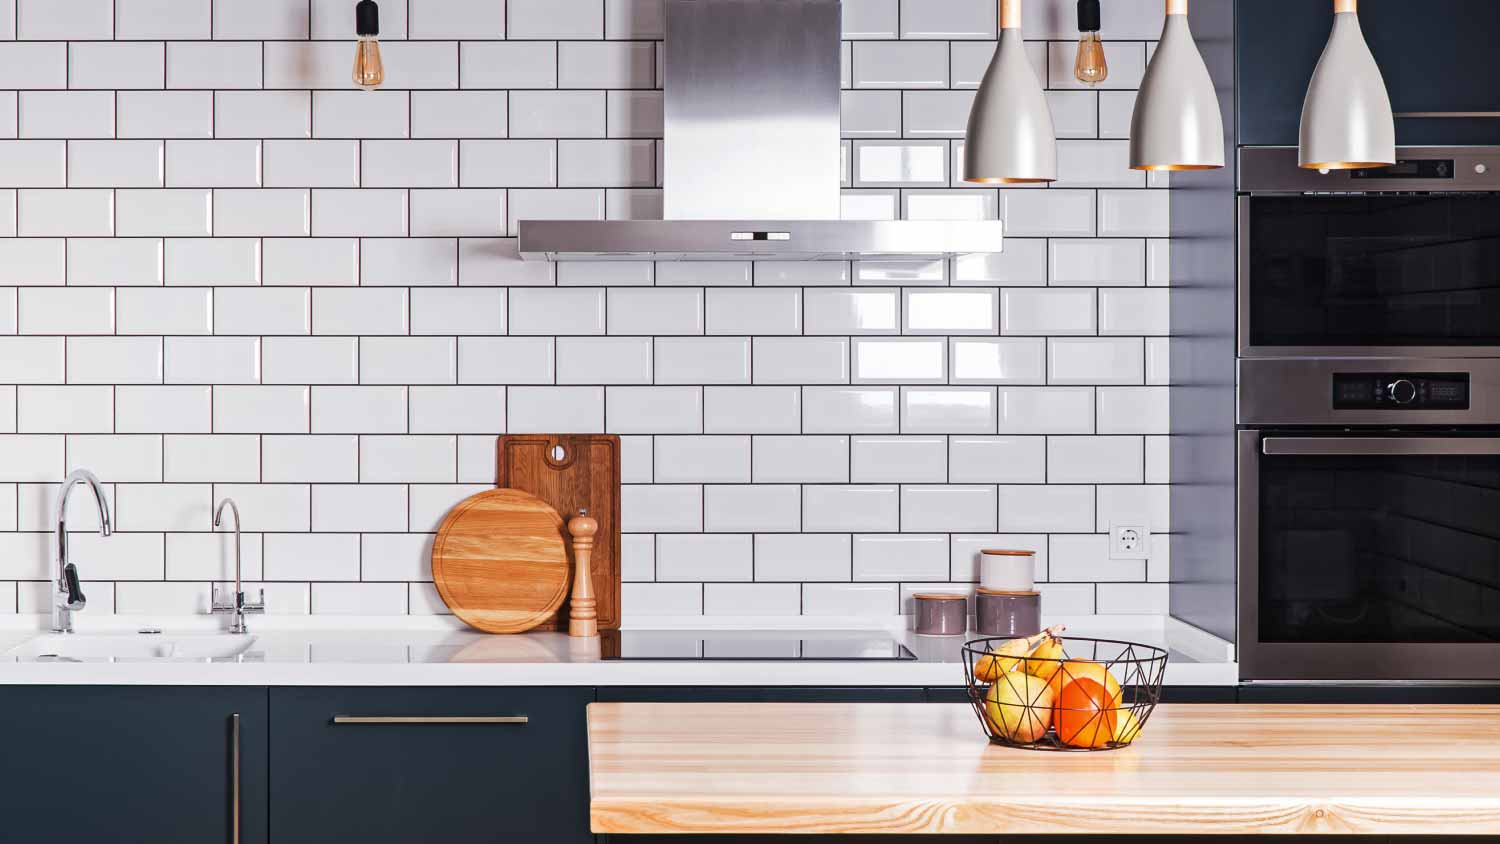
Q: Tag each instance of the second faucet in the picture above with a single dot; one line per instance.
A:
(237, 606)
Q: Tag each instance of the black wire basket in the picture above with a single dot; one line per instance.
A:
(1097, 694)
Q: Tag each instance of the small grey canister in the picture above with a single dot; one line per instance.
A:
(941, 614)
(1008, 613)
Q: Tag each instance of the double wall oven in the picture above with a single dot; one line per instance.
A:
(1369, 418)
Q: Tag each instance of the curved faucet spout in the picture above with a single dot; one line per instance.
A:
(234, 510)
(74, 478)
(68, 597)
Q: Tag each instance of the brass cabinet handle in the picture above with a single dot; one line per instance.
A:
(234, 778)
(429, 719)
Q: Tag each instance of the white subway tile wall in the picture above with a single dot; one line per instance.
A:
(224, 272)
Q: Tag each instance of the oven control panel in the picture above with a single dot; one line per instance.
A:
(1396, 391)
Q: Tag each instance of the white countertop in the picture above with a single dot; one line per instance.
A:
(439, 652)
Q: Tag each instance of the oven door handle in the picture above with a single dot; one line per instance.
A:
(1379, 446)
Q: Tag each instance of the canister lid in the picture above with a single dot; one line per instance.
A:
(939, 596)
(1008, 594)
(1001, 552)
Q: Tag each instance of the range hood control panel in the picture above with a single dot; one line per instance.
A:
(1395, 391)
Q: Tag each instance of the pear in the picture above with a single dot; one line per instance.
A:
(1020, 707)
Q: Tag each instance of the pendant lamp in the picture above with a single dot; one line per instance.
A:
(1177, 124)
(1010, 139)
(1347, 122)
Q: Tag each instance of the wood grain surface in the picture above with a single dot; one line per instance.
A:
(588, 476)
(499, 561)
(927, 769)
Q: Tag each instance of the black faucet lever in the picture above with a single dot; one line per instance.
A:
(73, 587)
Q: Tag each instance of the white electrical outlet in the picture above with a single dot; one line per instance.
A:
(1129, 542)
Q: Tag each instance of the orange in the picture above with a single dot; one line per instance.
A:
(1076, 669)
(1085, 714)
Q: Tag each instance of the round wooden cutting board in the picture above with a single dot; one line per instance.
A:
(500, 562)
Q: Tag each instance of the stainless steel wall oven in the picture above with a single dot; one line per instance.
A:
(1369, 546)
(1399, 261)
(1369, 419)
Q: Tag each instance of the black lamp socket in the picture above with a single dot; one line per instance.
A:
(366, 19)
(1089, 16)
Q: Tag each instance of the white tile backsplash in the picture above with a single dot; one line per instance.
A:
(899, 459)
(801, 459)
(762, 508)
(911, 556)
(1046, 410)
(141, 409)
(225, 272)
(843, 509)
(702, 360)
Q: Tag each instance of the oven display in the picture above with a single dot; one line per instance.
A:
(1394, 391)
(1409, 169)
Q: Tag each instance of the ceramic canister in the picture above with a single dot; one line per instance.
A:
(1002, 570)
(1009, 614)
(941, 614)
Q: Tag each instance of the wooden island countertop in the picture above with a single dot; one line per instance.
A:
(926, 768)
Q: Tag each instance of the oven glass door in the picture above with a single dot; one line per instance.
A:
(1370, 272)
(1374, 557)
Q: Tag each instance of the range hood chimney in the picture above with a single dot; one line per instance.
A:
(751, 157)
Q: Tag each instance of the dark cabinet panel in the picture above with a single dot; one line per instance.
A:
(427, 777)
(1435, 57)
(125, 763)
(758, 694)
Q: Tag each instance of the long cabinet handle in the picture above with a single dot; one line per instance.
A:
(1380, 446)
(429, 719)
(234, 778)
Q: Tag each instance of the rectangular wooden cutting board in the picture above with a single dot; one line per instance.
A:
(572, 472)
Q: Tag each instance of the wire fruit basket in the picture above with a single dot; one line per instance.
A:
(1085, 694)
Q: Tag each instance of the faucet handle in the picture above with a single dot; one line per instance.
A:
(219, 605)
(255, 607)
(72, 594)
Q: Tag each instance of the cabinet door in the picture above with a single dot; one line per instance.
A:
(398, 765)
(1434, 55)
(93, 763)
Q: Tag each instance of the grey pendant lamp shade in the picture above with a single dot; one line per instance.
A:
(1346, 119)
(1177, 124)
(1010, 139)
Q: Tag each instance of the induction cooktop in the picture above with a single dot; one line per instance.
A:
(811, 645)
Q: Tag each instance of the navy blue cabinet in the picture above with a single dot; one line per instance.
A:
(126, 763)
(1435, 56)
(423, 764)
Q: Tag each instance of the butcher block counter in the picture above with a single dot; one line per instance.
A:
(927, 769)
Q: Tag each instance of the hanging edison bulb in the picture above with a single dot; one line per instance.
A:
(369, 73)
(1091, 68)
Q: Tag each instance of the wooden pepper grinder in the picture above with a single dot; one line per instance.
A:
(583, 615)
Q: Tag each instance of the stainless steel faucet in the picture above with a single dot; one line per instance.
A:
(238, 606)
(67, 597)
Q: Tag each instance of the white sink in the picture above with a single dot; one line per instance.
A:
(131, 647)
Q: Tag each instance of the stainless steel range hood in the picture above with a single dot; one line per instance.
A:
(752, 163)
